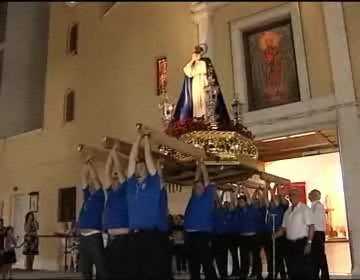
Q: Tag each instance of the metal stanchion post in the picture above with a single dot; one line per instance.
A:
(273, 247)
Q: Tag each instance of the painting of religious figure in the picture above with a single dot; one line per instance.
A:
(162, 75)
(271, 72)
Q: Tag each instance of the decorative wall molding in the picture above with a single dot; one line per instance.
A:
(206, 7)
(240, 26)
(107, 7)
(308, 115)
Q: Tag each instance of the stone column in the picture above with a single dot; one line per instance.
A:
(348, 137)
(202, 17)
(202, 13)
(348, 124)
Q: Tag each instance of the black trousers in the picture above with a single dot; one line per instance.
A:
(234, 244)
(180, 257)
(279, 255)
(92, 252)
(250, 246)
(150, 255)
(220, 250)
(118, 254)
(318, 256)
(298, 264)
(199, 254)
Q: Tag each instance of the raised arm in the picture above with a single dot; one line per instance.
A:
(85, 176)
(108, 170)
(248, 198)
(204, 173)
(159, 170)
(275, 194)
(232, 199)
(94, 176)
(198, 185)
(150, 165)
(133, 156)
(118, 166)
(266, 194)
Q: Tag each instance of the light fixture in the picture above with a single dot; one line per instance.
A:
(291, 136)
(302, 134)
(71, 4)
(274, 139)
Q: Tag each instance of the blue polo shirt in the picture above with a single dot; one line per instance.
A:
(91, 212)
(246, 220)
(163, 222)
(116, 209)
(260, 219)
(222, 221)
(279, 212)
(143, 202)
(200, 210)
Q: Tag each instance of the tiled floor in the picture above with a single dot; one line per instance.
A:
(338, 255)
(339, 260)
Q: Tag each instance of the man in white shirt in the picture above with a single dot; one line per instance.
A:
(298, 226)
(318, 247)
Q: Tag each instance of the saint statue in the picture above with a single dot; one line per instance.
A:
(200, 77)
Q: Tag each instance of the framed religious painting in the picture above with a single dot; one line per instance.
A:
(270, 64)
(161, 75)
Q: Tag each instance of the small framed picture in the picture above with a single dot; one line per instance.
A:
(162, 75)
(34, 201)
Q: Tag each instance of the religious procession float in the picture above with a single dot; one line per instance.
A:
(199, 126)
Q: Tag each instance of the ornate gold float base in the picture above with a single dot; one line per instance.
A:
(219, 146)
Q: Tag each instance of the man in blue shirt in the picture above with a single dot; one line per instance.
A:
(116, 220)
(222, 229)
(198, 225)
(91, 246)
(147, 208)
(247, 226)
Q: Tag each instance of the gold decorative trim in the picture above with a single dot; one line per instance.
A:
(218, 145)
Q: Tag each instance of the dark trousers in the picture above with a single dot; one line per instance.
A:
(234, 243)
(298, 264)
(318, 256)
(199, 254)
(151, 255)
(118, 255)
(92, 252)
(180, 257)
(220, 251)
(250, 246)
(279, 256)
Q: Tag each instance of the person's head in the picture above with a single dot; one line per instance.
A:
(9, 231)
(178, 219)
(242, 201)
(226, 204)
(140, 169)
(198, 49)
(114, 179)
(256, 201)
(1, 223)
(314, 195)
(29, 217)
(294, 196)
